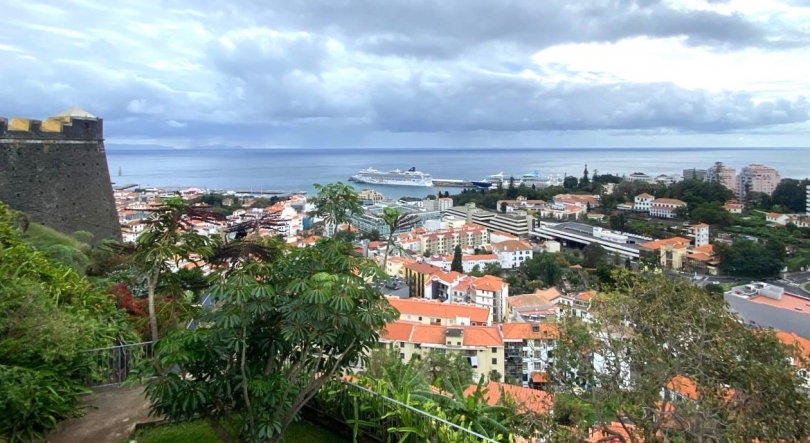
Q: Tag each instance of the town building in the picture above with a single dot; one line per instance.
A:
(434, 312)
(699, 234)
(417, 275)
(370, 195)
(642, 202)
(468, 262)
(666, 207)
(757, 178)
(512, 253)
(772, 306)
(580, 235)
(799, 220)
(444, 242)
(640, 177)
(533, 308)
(724, 175)
(529, 351)
(670, 253)
(519, 222)
(520, 203)
(482, 346)
(694, 174)
(734, 207)
(578, 304)
(371, 218)
(526, 399)
(487, 291)
(563, 211)
(585, 201)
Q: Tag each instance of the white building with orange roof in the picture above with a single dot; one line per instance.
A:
(395, 265)
(538, 306)
(500, 236)
(801, 346)
(512, 253)
(578, 304)
(529, 350)
(468, 261)
(520, 203)
(666, 207)
(699, 233)
(584, 201)
(641, 203)
(734, 207)
(482, 346)
(563, 211)
(487, 291)
(435, 312)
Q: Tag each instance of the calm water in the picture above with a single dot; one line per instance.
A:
(298, 169)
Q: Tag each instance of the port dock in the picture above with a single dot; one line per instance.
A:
(450, 183)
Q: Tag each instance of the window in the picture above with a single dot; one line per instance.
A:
(402, 344)
(420, 318)
(494, 350)
(494, 361)
(402, 356)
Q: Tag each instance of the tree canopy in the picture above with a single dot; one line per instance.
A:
(282, 327)
(720, 380)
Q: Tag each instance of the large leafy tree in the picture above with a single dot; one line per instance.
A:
(286, 321)
(169, 239)
(751, 259)
(652, 335)
(335, 203)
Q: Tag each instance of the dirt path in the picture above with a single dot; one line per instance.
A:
(110, 416)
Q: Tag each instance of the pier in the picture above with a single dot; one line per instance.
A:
(450, 183)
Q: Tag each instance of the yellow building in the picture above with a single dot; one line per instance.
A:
(481, 345)
(670, 252)
(416, 275)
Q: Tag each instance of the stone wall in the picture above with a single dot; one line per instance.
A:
(56, 172)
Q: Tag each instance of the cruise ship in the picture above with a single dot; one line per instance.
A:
(411, 177)
(490, 180)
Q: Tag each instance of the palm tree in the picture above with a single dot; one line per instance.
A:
(335, 203)
(396, 220)
(473, 411)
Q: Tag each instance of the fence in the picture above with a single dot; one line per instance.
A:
(111, 366)
(384, 419)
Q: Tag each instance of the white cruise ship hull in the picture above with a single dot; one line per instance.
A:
(372, 181)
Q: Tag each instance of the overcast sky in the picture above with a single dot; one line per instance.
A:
(264, 73)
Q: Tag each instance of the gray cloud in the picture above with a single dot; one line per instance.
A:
(349, 71)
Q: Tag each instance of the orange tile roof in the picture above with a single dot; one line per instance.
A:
(428, 334)
(488, 336)
(684, 386)
(699, 257)
(539, 298)
(422, 268)
(586, 296)
(668, 201)
(511, 245)
(791, 339)
(489, 283)
(437, 309)
(602, 433)
(706, 249)
(657, 244)
(540, 402)
(644, 195)
(398, 330)
(523, 331)
(539, 377)
(788, 301)
(700, 225)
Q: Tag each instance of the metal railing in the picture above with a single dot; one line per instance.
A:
(112, 366)
(385, 419)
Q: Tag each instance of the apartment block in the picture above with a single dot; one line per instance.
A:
(529, 351)
(487, 291)
(757, 178)
(642, 202)
(434, 312)
(694, 174)
(518, 222)
(512, 253)
(724, 175)
(482, 346)
(665, 207)
(468, 262)
(444, 242)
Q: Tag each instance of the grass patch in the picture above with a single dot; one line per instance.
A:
(807, 287)
(191, 432)
(42, 236)
(199, 432)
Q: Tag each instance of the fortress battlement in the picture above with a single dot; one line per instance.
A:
(73, 124)
(55, 170)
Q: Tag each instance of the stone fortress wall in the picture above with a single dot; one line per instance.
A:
(56, 172)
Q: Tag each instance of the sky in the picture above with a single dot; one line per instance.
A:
(415, 73)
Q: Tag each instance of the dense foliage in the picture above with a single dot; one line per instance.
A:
(747, 258)
(282, 327)
(48, 315)
(656, 335)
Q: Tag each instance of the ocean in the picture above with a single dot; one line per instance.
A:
(298, 169)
